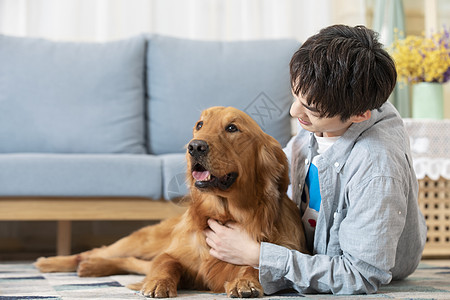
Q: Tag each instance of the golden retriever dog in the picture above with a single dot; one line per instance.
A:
(236, 173)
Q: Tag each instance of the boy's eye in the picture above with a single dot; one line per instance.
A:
(231, 128)
(199, 125)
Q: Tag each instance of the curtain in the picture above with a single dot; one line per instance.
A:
(102, 20)
(388, 17)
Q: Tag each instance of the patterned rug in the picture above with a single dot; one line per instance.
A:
(22, 281)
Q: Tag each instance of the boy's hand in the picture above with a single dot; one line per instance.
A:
(232, 244)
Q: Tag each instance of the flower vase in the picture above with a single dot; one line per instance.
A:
(428, 100)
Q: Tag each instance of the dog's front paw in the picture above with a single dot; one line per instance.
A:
(244, 288)
(56, 264)
(159, 288)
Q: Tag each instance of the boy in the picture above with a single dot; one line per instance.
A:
(351, 175)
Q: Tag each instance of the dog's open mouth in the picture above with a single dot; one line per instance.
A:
(204, 179)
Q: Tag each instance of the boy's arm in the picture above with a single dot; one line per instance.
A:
(368, 237)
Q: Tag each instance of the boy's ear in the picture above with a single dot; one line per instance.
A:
(362, 117)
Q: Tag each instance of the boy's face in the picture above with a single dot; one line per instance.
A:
(309, 118)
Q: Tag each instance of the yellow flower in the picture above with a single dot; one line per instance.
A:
(420, 58)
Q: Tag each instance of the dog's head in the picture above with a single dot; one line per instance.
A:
(230, 153)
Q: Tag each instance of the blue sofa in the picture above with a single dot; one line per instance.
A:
(98, 130)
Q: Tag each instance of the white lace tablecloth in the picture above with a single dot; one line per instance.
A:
(430, 147)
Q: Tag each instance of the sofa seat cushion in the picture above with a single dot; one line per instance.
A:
(174, 175)
(63, 97)
(186, 76)
(80, 175)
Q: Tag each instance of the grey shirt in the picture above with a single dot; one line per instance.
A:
(369, 228)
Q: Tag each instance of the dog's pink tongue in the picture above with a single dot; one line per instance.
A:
(200, 176)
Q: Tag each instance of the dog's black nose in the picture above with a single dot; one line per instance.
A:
(198, 148)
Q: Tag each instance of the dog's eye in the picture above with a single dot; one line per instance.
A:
(231, 128)
(199, 125)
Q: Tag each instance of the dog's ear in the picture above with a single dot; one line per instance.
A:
(272, 168)
(272, 179)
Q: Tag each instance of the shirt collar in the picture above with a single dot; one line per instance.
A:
(340, 150)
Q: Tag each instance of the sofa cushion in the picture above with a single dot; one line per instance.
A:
(186, 76)
(174, 175)
(72, 97)
(80, 175)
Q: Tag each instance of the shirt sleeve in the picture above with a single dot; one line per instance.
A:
(368, 238)
(288, 151)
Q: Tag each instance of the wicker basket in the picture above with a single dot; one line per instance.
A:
(434, 201)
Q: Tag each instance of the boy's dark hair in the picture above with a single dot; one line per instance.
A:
(344, 71)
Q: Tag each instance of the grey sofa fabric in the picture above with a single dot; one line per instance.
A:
(45, 174)
(60, 97)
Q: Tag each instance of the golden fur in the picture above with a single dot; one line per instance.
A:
(247, 184)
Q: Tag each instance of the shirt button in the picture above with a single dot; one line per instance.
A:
(336, 164)
(306, 161)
